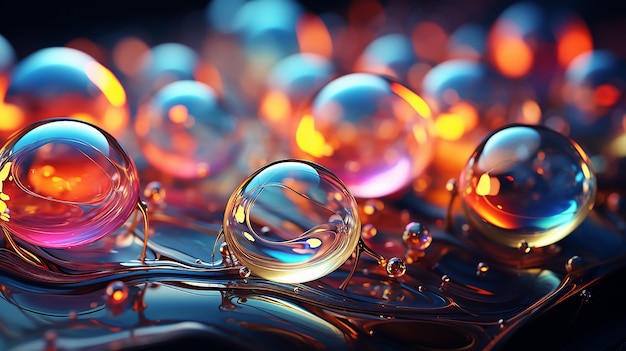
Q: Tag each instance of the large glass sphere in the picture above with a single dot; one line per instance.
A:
(64, 82)
(372, 132)
(65, 183)
(527, 184)
(292, 221)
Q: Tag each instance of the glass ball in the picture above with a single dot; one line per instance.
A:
(390, 54)
(527, 184)
(292, 221)
(166, 63)
(65, 183)
(185, 131)
(65, 82)
(372, 132)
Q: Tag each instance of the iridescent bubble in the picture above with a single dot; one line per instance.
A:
(166, 63)
(267, 28)
(65, 183)
(396, 267)
(593, 96)
(65, 82)
(527, 184)
(291, 82)
(312, 218)
(390, 54)
(417, 236)
(185, 131)
(372, 132)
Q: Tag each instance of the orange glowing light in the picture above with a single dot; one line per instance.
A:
(127, 53)
(86, 117)
(313, 36)
(106, 81)
(511, 55)
(531, 112)
(310, 140)
(178, 114)
(413, 99)
(115, 119)
(573, 40)
(430, 41)
(606, 95)
(275, 107)
(118, 296)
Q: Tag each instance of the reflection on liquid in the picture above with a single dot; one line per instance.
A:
(474, 293)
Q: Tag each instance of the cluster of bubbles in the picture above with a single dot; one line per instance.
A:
(381, 106)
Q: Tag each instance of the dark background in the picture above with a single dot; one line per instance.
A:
(30, 25)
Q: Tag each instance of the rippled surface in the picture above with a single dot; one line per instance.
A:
(179, 296)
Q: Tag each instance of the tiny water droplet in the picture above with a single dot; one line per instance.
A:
(524, 247)
(265, 229)
(417, 236)
(396, 267)
(296, 290)
(501, 323)
(451, 185)
(420, 288)
(244, 272)
(585, 295)
(116, 292)
(372, 206)
(155, 193)
(368, 231)
(482, 268)
(445, 280)
(465, 228)
(573, 264)
(198, 261)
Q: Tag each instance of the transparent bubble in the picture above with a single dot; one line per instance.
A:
(185, 131)
(65, 82)
(396, 267)
(527, 184)
(390, 54)
(313, 222)
(65, 183)
(417, 236)
(267, 28)
(372, 132)
(166, 63)
(291, 82)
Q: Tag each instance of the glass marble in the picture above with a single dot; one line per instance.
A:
(527, 184)
(292, 221)
(65, 82)
(185, 131)
(65, 183)
(372, 132)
